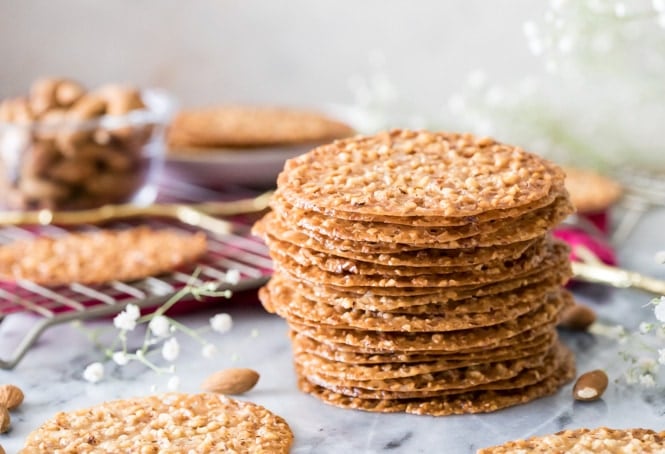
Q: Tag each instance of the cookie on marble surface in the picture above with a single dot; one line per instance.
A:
(463, 403)
(247, 127)
(417, 173)
(579, 441)
(99, 256)
(591, 192)
(169, 423)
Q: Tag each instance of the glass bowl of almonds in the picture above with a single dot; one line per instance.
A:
(66, 148)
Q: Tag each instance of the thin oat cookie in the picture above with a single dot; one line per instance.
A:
(579, 441)
(288, 304)
(333, 264)
(521, 267)
(247, 127)
(445, 378)
(521, 346)
(545, 315)
(408, 257)
(316, 223)
(417, 173)
(100, 256)
(464, 403)
(530, 375)
(170, 423)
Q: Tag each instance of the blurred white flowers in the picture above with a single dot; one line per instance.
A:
(161, 331)
(126, 320)
(221, 323)
(94, 372)
(171, 349)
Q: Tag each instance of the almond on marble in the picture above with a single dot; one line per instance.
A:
(577, 318)
(5, 419)
(11, 396)
(231, 381)
(590, 385)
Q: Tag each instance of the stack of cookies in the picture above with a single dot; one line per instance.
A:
(417, 273)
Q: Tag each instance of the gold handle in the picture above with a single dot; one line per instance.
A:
(200, 213)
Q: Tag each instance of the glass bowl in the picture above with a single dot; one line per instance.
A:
(65, 163)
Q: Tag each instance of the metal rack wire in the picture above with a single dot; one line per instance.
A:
(53, 306)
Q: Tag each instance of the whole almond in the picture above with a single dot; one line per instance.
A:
(10, 396)
(5, 420)
(577, 318)
(231, 381)
(2, 450)
(590, 386)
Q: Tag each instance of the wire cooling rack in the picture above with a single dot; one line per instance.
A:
(51, 306)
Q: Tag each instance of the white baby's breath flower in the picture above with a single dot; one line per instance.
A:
(661, 355)
(173, 383)
(133, 311)
(648, 365)
(659, 310)
(139, 354)
(221, 323)
(120, 358)
(660, 255)
(232, 276)
(645, 327)
(94, 372)
(208, 350)
(124, 321)
(647, 381)
(160, 326)
(171, 349)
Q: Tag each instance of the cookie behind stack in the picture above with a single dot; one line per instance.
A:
(417, 273)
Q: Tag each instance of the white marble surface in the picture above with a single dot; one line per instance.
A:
(51, 377)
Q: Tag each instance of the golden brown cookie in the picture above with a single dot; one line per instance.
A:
(579, 441)
(99, 256)
(591, 192)
(246, 127)
(417, 173)
(171, 423)
(467, 402)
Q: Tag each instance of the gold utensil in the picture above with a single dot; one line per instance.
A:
(199, 215)
(591, 269)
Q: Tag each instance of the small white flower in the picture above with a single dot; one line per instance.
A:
(645, 327)
(173, 383)
(661, 355)
(120, 358)
(94, 372)
(530, 29)
(133, 311)
(659, 310)
(648, 365)
(631, 377)
(232, 276)
(160, 326)
(123, 321)
(647, 381)
(139, 353)
(171, 349)
(221, 323)
(208, 350)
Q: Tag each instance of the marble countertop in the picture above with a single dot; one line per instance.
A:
(51, 376)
